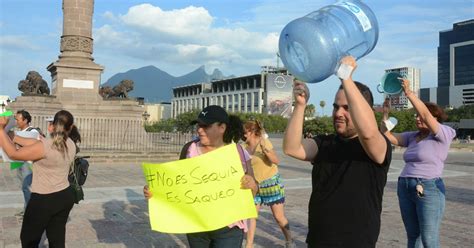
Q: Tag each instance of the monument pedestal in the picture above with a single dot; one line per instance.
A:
(115, 124)
(76, 82)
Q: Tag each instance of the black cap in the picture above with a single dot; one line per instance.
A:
(212, 114)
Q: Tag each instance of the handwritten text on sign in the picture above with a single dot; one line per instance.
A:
(198, 194)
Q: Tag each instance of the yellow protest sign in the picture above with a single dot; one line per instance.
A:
(198, 194)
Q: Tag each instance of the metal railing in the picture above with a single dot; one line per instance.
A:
(109, 134)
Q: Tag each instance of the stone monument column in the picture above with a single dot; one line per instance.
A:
(75, 75)
(103, 123)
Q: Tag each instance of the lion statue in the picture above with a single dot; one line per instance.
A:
(33, 84)
(105, 91)
(118, 91)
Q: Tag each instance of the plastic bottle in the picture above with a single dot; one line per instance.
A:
(312, 46)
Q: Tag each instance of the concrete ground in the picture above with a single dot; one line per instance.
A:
(114, 213)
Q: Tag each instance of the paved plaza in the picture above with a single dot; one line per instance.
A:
(114, 213)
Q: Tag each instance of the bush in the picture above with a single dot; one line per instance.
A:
(463, 112)
(271, 123)
(167, 125)
(319, 125)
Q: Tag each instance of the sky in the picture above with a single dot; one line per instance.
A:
(237, 37)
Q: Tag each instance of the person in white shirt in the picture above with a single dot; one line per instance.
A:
(23, 120)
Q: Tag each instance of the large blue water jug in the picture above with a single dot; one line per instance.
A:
(311, 46)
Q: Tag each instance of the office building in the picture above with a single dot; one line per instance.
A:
(268, 92)
(455, 67)
(155, 112)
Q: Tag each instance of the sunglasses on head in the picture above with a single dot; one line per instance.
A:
(259, 125)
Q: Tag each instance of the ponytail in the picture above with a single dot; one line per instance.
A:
(59, 136)
(234, 131)
(74, 134)
(62, 126)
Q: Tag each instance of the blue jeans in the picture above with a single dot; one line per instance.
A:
(421, 214)
(26, 178)
(221, 238)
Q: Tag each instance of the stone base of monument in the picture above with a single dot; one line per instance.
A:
(104, 125)
(98, 157)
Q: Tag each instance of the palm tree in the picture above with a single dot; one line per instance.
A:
(322, 104)
(309, 111)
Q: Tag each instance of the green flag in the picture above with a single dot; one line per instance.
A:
(15, 165)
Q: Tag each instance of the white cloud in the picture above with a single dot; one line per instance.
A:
(184, 39)
(275, 14)
(189, 21)
(109, 37)
(109, 16)
(17, 42)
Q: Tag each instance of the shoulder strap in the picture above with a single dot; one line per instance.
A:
(242, 158)
(29, 128)
(184, 150)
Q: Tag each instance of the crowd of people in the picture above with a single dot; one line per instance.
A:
(349, 171)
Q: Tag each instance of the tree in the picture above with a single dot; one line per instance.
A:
(183, 121)
(167, 125)
(319, 125)
(271, 123)
(322, 104)
(309, 110)
(463, 112)
(405, 118)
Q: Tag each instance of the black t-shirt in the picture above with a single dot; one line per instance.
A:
(346, 202)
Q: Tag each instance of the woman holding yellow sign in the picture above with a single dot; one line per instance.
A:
(215, 129)
(271, 191)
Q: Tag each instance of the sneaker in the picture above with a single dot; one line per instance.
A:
(290, 244)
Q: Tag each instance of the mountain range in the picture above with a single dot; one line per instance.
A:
(156, 85)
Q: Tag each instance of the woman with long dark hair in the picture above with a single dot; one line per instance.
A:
(51, 198)
(215, 129)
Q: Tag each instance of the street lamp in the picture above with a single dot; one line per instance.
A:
(145, 116)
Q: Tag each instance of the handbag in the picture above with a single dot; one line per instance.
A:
(78, 193)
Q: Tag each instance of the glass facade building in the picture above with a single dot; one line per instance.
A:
(455, 55)
(455, 67)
